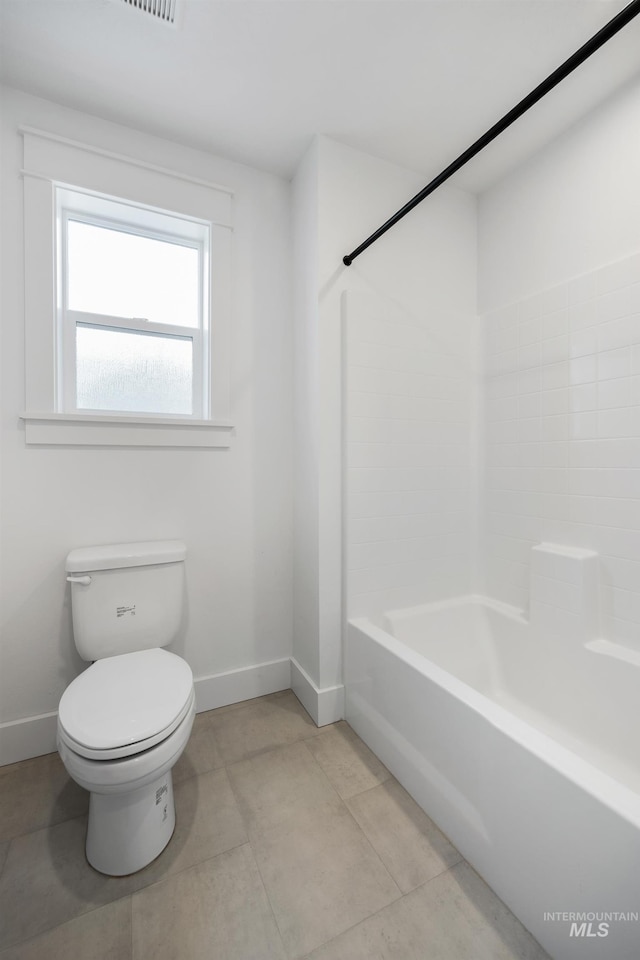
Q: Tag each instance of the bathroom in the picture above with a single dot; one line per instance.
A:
(505, 307)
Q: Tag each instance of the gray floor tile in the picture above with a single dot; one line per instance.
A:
(217, 909)
(4, 850)
(103, 934)
(201, 754)
(37, 793)
(261, 725)
(47, 880)
(321, 875)
(452, 917)
(347, 761)
(405, 838)
(274, 787)
(319, 870)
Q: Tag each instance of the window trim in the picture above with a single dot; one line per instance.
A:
(77, 429)
(49, 161)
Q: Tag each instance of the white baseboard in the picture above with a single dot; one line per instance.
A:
(233, 686)
(34, 736)
(31, 737)
(324, 705)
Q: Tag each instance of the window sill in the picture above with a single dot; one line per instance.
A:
(80, 429)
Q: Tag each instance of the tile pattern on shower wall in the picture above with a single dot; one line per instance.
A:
(407, 436)
(562, 432)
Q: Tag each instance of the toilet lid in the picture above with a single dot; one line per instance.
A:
(126, 699)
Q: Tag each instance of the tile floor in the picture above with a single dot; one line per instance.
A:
(291, 842)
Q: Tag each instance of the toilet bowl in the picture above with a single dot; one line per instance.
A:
(124, 722)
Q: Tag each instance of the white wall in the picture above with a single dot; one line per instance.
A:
(232, 507)
(559, 282)
(425, 269)
(306, 620)
(572, 208)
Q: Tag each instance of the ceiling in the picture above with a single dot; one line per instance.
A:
(411, 81)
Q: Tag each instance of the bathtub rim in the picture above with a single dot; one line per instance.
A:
(600, 785)
(466, 600)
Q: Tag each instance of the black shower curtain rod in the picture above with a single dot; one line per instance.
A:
(598, 40)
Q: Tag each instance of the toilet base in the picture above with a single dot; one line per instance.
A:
(127, 831)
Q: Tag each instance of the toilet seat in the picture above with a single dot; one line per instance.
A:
(124, 705)
(129, 773)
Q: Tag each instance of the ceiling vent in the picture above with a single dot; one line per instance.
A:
(162, 10)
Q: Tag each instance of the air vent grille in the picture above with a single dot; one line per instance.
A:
(163, 10)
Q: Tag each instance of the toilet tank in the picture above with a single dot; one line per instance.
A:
(126, 596)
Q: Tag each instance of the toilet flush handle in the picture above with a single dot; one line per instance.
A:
(85, 580)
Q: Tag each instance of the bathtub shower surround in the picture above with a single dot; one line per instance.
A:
(563, 592)
(562, 445)
(408, 436)
(511, 716)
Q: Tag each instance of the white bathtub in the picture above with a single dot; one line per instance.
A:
(524, 749)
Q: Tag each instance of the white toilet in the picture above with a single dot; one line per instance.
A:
(123, 723)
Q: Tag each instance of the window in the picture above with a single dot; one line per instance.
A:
(127, 299)
(132, 308)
